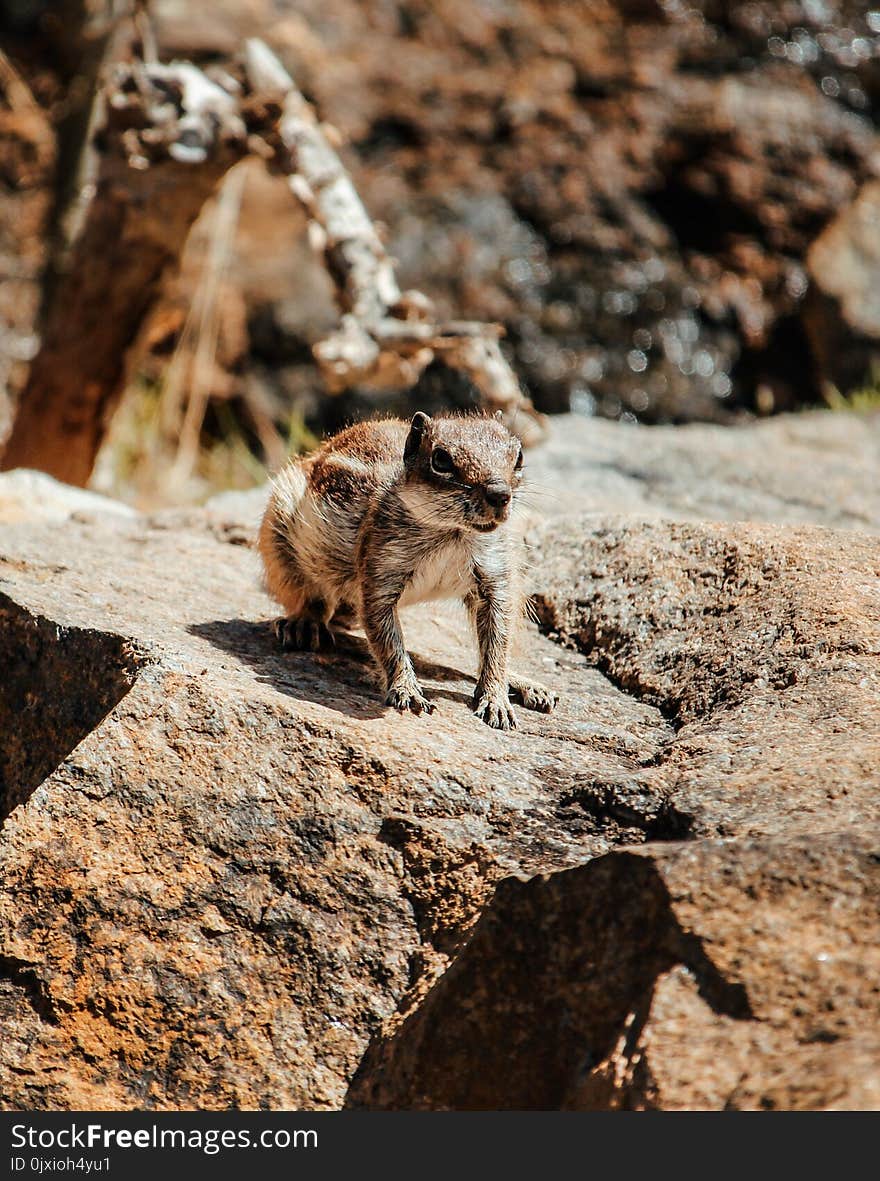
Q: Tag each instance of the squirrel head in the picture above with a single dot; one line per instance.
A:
(462, 471)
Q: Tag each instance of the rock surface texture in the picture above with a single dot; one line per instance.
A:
(230, 877)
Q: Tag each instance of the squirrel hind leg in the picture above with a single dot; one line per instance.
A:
(344, 618)
(307, 629)
(532, 694)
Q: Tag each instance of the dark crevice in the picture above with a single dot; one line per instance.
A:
(22, 976)
(602, 654)
(659, 819)
(660, 822)
(670, 824)
(701, 222)
(784, 366)
(601, 646)
(58, 685)
(390, 133)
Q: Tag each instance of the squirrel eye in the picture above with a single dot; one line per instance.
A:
(519, 460)
(441, 461)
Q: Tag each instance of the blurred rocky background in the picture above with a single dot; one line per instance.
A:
(671, 206)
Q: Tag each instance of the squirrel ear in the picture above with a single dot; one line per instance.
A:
(416, 430)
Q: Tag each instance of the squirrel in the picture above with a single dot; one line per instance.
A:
(387, 513)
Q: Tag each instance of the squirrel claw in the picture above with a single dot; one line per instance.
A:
(493, 708)
(296, 634)
(534, 695)
(408, 698)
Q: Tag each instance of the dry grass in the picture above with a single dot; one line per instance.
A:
(178, 438)
(139, 454)
(860, 400)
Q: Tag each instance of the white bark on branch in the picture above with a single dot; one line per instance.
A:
(386, 338)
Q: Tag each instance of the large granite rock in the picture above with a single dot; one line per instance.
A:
(722, 974)
(229, 877)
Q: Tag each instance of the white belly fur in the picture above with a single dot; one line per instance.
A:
(445, 574)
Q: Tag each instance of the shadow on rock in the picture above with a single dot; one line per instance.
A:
(341, 678)
(556, 983)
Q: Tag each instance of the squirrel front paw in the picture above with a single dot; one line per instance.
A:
(492, 706)
(408, 697)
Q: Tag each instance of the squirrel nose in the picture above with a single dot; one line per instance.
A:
(498, 495)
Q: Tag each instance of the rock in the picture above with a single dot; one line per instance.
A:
(759, 644)
(634, 196)
(843, 312)
(27, 495)
(344, 848)
(230, 878)
(813, 467)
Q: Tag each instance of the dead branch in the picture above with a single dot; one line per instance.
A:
(169, 133)
(386, 337)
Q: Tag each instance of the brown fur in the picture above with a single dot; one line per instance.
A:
(389, 513)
